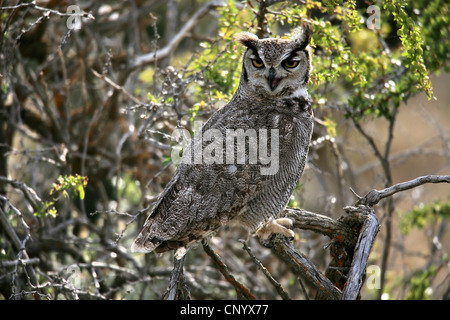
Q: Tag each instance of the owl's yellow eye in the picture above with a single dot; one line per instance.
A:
(257, 63)
(290, 63)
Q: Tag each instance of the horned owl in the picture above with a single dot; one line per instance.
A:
(271, 114)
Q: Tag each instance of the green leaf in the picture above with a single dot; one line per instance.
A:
(81, 192)
(330, 125)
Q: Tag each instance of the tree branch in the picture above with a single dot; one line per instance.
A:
(177, 279)
(170, 47)
(361, 254)
(20, 246)
(374, 196)
(336, 230)
(263, 28)
(283, 294)
(242, 291)
(300, 265)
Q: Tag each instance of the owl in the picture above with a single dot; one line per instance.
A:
(250, 154)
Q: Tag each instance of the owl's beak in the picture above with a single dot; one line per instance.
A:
(272, 79)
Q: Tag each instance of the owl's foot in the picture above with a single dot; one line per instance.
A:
(280, 226)
(180, 253)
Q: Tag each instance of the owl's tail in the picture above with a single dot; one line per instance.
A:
(144, 244)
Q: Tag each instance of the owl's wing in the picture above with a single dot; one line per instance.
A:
(199, 199)
(152, 234)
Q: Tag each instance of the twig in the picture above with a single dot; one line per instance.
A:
(30, 194)
(266, 272)
(370, 140)
(119, 236)
(46, 15)
(48, 11)
(9, 263)
(19, 246)
(117, 87)
(242, 291)
(132, 274)
(10, 230)
(302, 286)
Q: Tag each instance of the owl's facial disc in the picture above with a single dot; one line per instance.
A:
(275, 68)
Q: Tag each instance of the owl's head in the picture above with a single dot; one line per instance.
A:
(276, 67)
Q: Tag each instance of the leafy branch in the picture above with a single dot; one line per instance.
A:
(65, 183)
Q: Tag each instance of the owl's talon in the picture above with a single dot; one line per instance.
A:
(285, 222)
(280, 226)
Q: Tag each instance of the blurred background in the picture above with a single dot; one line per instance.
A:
(90, 95)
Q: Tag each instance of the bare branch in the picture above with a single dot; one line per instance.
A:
(117, 87)
(19, 245)
(283, 294)
(28, 192)
(334, 229)
(366, 239)
(374, 196)
(11, 232)
(241, 290)
(170, 47)
(24, 262)
(176, 279)
(300, 265)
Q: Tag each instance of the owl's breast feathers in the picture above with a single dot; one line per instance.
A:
(202, 197)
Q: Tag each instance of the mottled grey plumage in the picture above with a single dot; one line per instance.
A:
(201, 198)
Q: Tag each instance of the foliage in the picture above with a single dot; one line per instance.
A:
(65, 183)
(420, 285)
(219, 59)
(423, 214)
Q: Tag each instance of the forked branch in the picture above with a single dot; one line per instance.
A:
(374, 196)
(353, 233)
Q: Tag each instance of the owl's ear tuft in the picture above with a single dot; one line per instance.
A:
(302, 35)
(247, 39)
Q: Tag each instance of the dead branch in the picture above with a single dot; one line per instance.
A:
(374, 196)
(363, 247)
(283, 294)
(48, 11)
(303, 267)
(19, 245)
(176, 280)
(118, 87)
(336, 230)
(183, 33)
(352, 236)
(241, 290)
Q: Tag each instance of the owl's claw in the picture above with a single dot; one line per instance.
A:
(280, 226)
